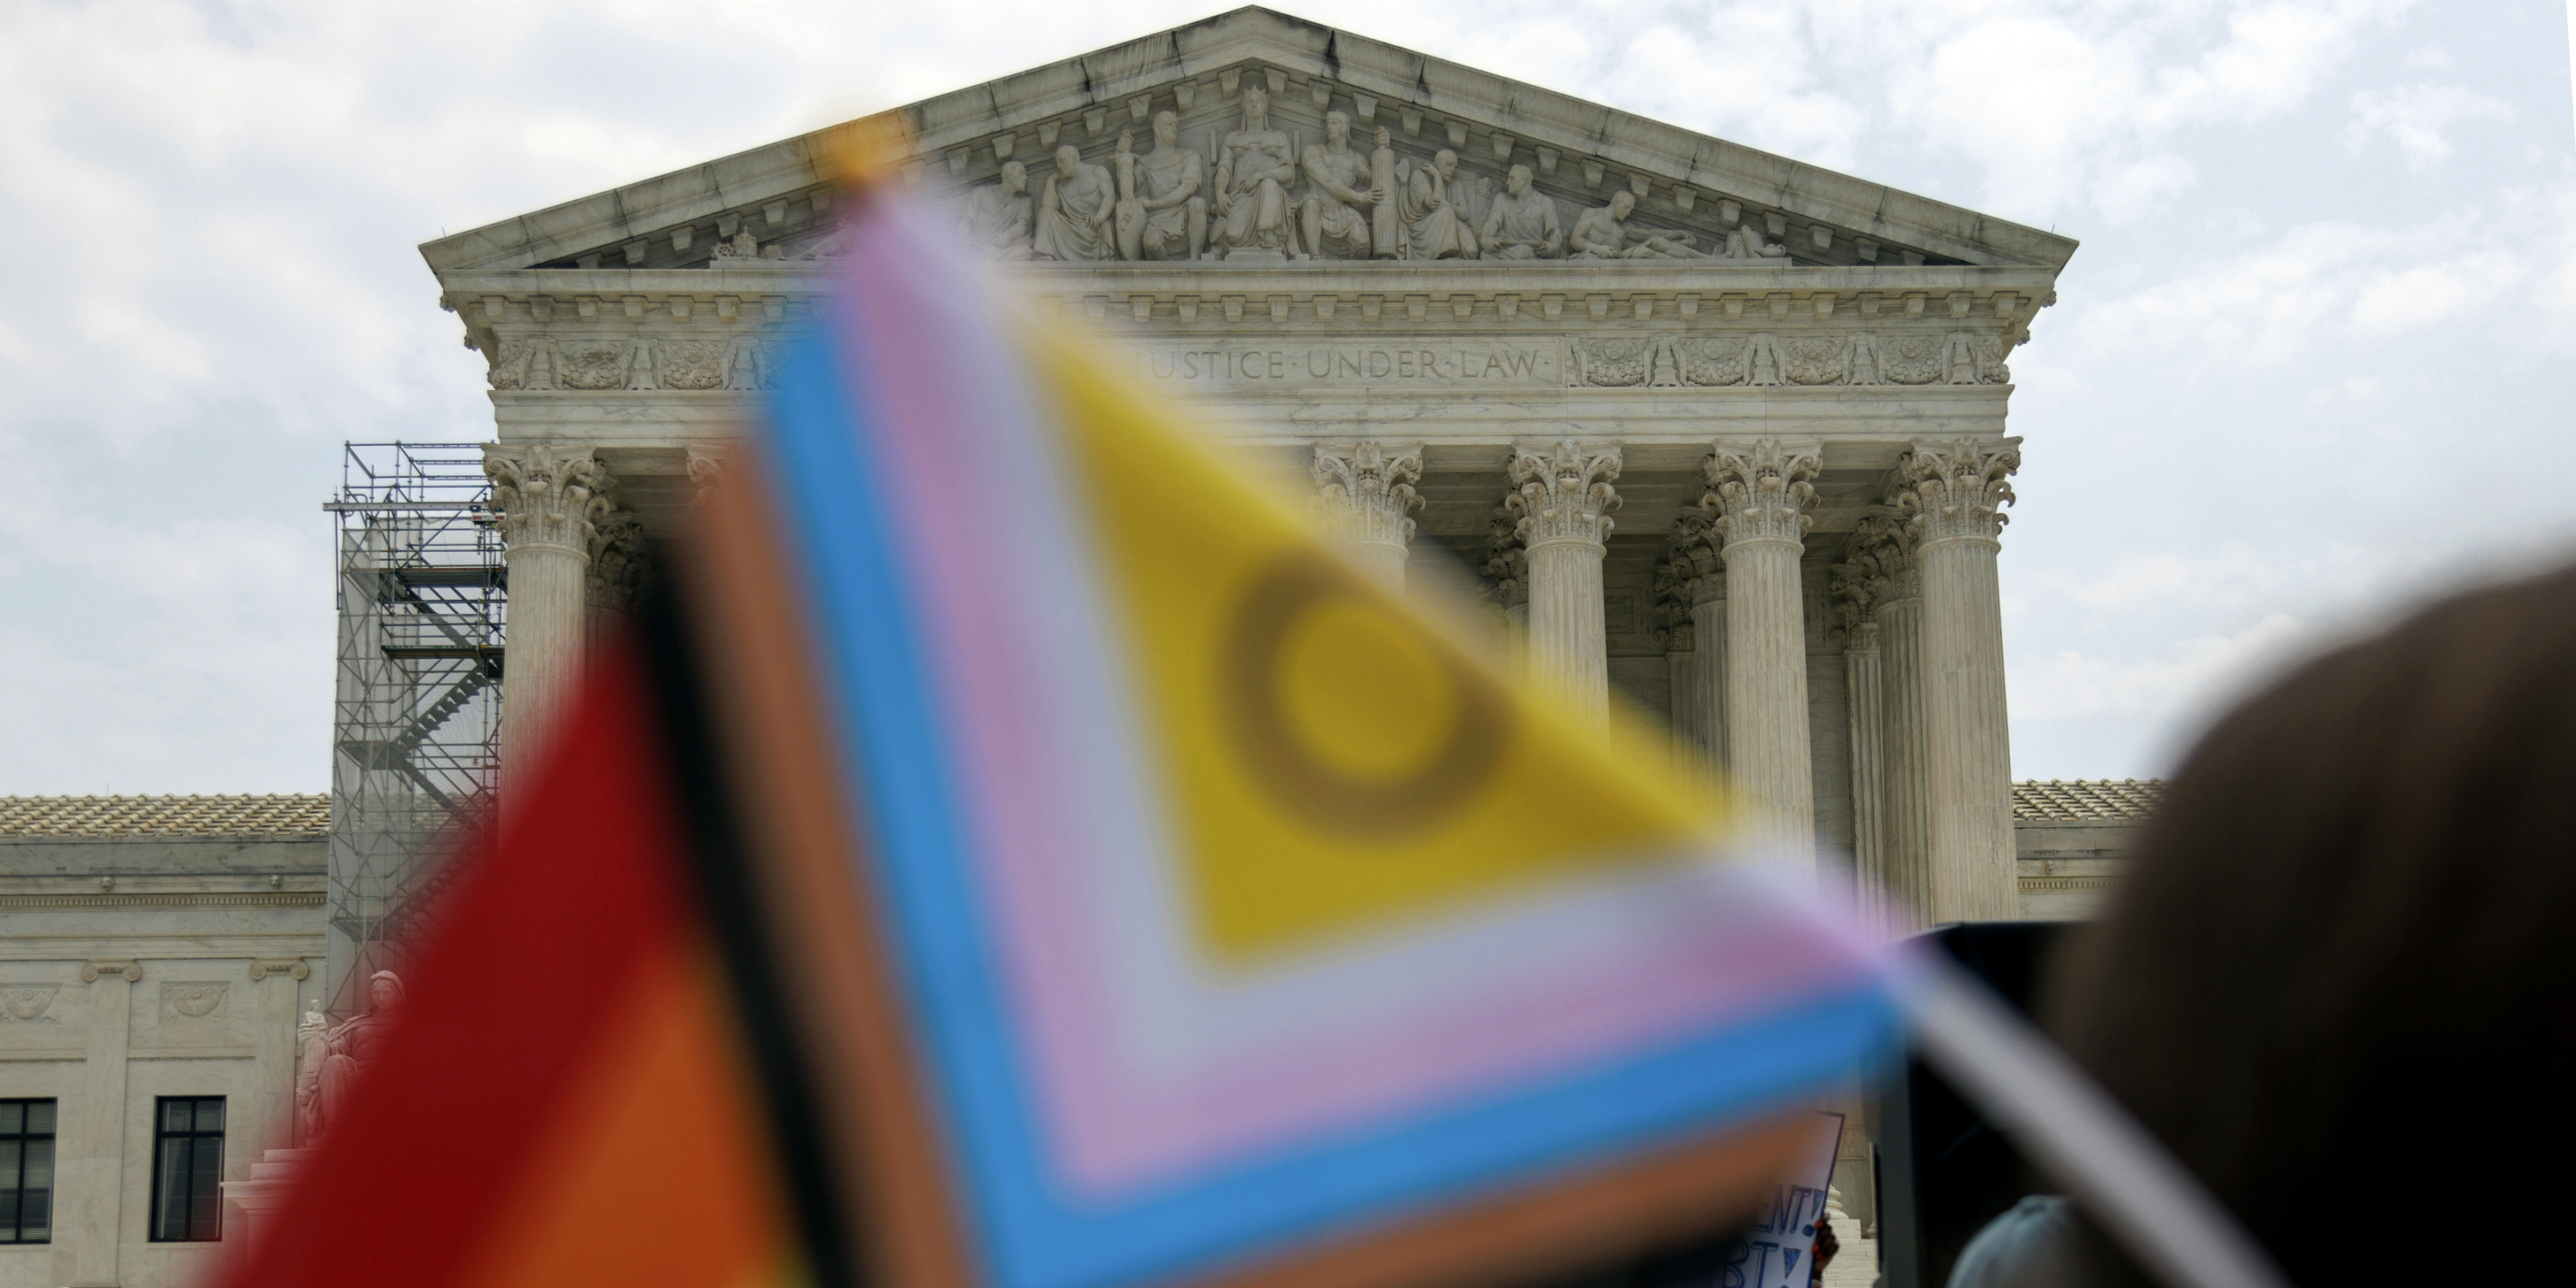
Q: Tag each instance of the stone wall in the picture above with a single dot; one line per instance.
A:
(139, 966)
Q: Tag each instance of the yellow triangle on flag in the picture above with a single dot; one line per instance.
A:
(1337, 759)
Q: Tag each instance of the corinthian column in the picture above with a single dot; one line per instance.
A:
(1855, 588)
(1563, 501)
(1956, 491)
(1761, 498)
(1366, 494)
(1904, 815)
(550, 500)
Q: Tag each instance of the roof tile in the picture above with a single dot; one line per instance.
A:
(301, 815)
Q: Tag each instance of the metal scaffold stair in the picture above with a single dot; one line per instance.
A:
(417, 711)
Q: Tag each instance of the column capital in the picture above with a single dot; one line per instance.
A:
(1955, 489)
(547, 495)
(707, 464)
(620, 561)
(1693, 553)
(1882, 548)
(1761, 490)
(1506, 559)
(1673, 599)
(1855, 589)
(1563, 493)
(1365, 490)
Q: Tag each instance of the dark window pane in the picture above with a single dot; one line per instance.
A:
(40, 1117)
(36, 1206)
(177, 1115)
(205, 1212)
(13, 1117)
(9, 1189)
(170, 1201)
(210, 1115)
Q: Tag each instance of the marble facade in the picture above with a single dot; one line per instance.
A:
(1723, 434)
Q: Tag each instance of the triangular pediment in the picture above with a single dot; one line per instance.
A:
(1580, 154)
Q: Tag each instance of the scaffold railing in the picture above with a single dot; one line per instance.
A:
(416, 713)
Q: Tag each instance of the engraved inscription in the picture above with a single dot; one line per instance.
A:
(1444, 362)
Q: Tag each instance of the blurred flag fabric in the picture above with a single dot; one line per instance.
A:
(1017, 853)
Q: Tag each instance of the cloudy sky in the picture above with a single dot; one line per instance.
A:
(2309, 366)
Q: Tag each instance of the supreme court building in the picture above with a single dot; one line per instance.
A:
(1722, 433)
(1719, 435)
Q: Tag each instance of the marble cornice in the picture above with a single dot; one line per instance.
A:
(958, 137)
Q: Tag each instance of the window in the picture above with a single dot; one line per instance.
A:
(26, 1171)
(187, 1163)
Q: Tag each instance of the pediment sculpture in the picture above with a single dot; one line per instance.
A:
(1261, 197)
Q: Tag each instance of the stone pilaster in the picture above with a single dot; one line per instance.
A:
(1955, 491)
(550, 500)
(1761, 496)
(90, 1158)
(1856, 587)
(1365, 492)
(1904, 816)
(1562, 498)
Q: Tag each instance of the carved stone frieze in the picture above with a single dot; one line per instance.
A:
(1765, 358)
(1366, 491)
(1760, 489)
(548, 495)
(1956, 489)
(1565, 494)
(635, 362)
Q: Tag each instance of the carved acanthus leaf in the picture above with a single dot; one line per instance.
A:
(1564, 495)
(1366, 492)
(548, 495)
(1957, 489)
(1760, 489)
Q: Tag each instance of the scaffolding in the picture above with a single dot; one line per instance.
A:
(416, 712)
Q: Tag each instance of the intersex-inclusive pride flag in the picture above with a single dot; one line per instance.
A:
(1019, 854)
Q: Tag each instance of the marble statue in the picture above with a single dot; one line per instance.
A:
(1604, 233)
(1521, 223)
(997, 218)
(330, 1057)
(1160, 212)
(1436, 228)
(1253, 176)
(1074, 213)
(1747, 243)
(1339, 190)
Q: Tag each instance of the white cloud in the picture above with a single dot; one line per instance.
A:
(2346, 396)
(2415, 118)
(2185, 679)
